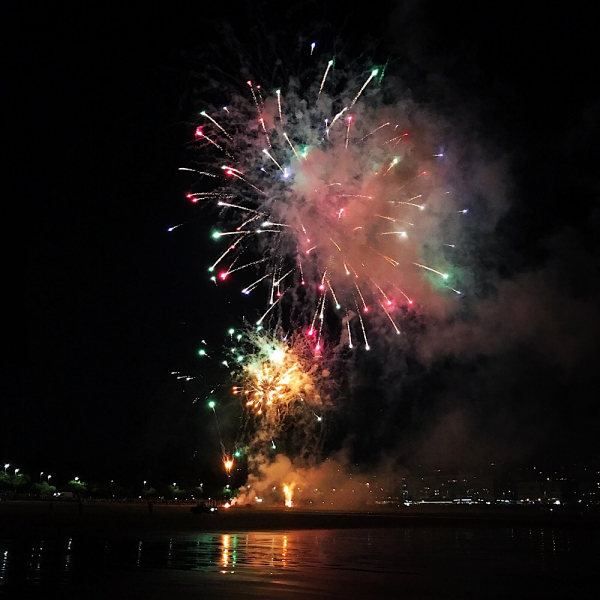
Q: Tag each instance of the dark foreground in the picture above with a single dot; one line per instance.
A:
(133, 520)
(120, 551)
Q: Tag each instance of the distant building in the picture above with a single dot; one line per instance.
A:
(544, 492)
(450, 487)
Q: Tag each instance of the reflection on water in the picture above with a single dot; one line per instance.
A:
(416, 558)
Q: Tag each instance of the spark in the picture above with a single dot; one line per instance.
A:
(394, 162)
(329, 65)
(256, 262)
(362, 325)
(265, 151)
(205, 114)
(338, 116)
(278, 92)
(349, 121)
(220, 203)
(366, 83)
(419, 206)
(253, 96)
(259, 322)
(443, 275)
(285, 135)
(372, 132)
(390, 318)
(262, 122)
(400, 233)
(200, 135)
(199, 172)
(253, 285)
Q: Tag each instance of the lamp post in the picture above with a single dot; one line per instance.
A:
(6, 465)
(16, 471)
(41, 473)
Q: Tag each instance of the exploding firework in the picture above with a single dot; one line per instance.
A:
(285, 391)
(333, 197)
(278, 375)
(343, 193)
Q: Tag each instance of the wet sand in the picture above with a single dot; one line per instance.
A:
(113, 519)
(117, 550)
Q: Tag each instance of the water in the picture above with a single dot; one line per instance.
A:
(415, 562)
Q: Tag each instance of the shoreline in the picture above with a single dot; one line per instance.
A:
(27, 519)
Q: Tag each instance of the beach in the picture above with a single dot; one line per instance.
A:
(122, 519)
(120, 550)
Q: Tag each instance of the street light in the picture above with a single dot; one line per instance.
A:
(49, 477)
(41, 473)
(16, 471)
(6, 465)
(76, 478)
(144, 483)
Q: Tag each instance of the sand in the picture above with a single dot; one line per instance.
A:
(118, 519)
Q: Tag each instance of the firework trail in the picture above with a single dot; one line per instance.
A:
(341, 193)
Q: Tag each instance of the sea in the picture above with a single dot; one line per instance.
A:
(448, 561)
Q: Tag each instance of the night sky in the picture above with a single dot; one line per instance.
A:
(101, 304)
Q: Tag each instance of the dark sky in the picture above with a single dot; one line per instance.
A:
(101, 304)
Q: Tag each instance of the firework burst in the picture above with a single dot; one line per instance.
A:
(284, 392)
(280, 383)
(342, 192)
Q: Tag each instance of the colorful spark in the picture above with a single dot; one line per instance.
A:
(326, 201)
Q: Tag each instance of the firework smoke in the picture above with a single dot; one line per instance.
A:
(343, 192)
(334, 199)
(333, 484)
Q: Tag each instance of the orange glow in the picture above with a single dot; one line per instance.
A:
(288, 492)
(225, 554)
